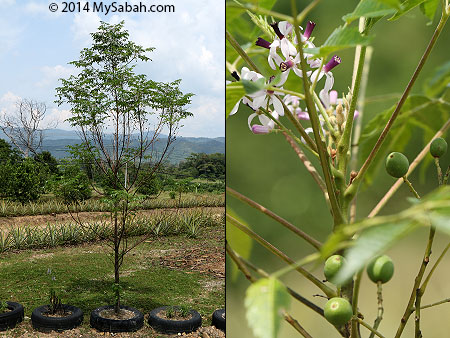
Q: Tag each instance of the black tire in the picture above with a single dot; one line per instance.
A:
(44, 323)
(218, 319)
(163, 325)
(10, 319)
(115, 325)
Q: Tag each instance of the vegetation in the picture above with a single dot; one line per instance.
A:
(190, 222)
(84, 279)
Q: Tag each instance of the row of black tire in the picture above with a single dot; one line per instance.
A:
(42, 322)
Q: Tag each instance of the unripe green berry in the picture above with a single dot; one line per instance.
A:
(397, 164)
(338, 311)
(332, 266)
(381, 269)
(438, 147)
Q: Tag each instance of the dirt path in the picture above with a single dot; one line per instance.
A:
(42, 220)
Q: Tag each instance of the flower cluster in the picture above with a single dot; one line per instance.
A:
(283, 56)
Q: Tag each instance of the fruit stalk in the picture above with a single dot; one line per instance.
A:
(410, 186)
(380, 308)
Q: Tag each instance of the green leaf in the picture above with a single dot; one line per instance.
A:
(440, 79)
(371, 243)
(252, 87)
(240, 243)
(264, 302)
(234, 92)
(428, 8)
(341, 38)
(407, 6)
(372, 9)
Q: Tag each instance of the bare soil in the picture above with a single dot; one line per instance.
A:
(122, 315)
(59, 314)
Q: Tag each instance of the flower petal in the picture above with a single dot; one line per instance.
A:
(235, 108)
(278, 105)
(329, 82)
(250, 119)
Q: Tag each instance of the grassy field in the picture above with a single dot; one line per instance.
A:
(172, 270)
(50, 205)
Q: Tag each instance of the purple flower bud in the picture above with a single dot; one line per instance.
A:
(284, 66)
(303, 115)
(277, 30)
(309, 28)
(335, 60)
(356, 114)
(258, 129)
(262, 43)
(333, 97)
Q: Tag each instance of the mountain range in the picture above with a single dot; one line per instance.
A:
(57, 140)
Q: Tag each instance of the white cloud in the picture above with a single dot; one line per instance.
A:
(51, 75)
(208, 119)
(84, 24)
(8, 103)
(58, 117)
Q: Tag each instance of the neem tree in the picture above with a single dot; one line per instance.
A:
(289, 92)
(120, 116)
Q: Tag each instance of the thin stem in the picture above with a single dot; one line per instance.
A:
(285, 91)
(288, 131)
(435, 304)
(356, 287)
(380, 308)
(344, 142)
(308, 165)
(300, 17)
(241, 52)
(327, 290)
(409, 308)
(323, 154)
(427, 279)
(315, 243)
(370, 328)
(412, 166)
(296, 325)
(439, 170)
(447, 174)
(235, 257)
(298, 126)
(417, 331)
(410, 186)
(351, 190)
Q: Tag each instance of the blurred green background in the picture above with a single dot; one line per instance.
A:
(265, 168)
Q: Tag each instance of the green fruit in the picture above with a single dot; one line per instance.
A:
(332, 266)
(381, 269)
(397, 164)
(438, 147)
(338, 311)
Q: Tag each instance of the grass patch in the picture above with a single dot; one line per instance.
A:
(54, 206)
(84, 277)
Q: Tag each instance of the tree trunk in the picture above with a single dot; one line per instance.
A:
(116, 266)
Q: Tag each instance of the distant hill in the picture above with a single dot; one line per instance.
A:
(56, 141)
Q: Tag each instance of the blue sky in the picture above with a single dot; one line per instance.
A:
(37, 44)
